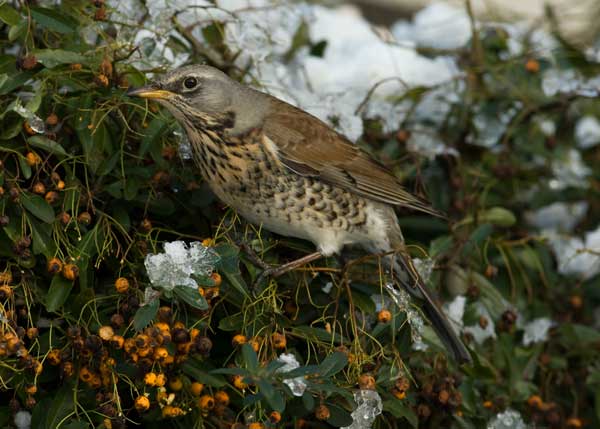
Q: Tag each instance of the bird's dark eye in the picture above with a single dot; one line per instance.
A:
(190, 82)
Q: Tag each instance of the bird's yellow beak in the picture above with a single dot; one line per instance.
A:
(150, 92)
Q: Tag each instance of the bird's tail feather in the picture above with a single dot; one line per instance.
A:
(406, 274)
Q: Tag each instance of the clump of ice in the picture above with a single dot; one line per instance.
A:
(558, 216)
(509, 419)
(297, 385)
(368, 407)
(179, 262)
(587, 132)
(415, 321)
(569, 81)
(536, 331)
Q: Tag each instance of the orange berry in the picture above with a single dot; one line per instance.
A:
(52, 119)
(31, 389)
(150, 379)
(398, 394)
(161, 380)
(54, 265)
(175, 384)
(532, 66)
(217, 279)
(254, 343)
(32, 159)
(238, 340)
(142, 403)
(256, 425)
(75, 67)
(106, 332)
(160, 353)
(366, 382)
(5, 292)
(576, 302)
(102, 80)
(574, 422)
(535, 401)
(384, 316)
(322, 412)
(222, 398)
(117, 342)
(53, 357)
(275, 417)
(279, 341)
(52, 197)
(208, 242)
(122, 285)
(443, 396)
(196, 388)
(39, 188)
(70, 271)
(29, 130)
(206, 402)
(488, 404)
(171, 411)
(238, 381)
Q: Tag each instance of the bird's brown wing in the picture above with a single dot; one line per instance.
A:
(311, 148)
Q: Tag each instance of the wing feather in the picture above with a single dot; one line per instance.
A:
(309, 147)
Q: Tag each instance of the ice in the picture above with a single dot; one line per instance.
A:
(297, 385)
(178, 263)
(438, 25)
(368, 407)
(536, 331)
(22, 419)
(556, 81)
(546, 126)
(424, 267)
(403, 302)
(587, 132)
(570, 171)
(509, 419)
(424, 141)
(35, 122)
(455, 310)
(327, 288)
(490, 125)
(558, 216)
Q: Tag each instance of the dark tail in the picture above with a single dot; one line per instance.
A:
(406, 274)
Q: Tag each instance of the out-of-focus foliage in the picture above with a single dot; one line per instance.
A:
(91, 182)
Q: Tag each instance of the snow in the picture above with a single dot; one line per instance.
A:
(558, 216)
(587, 132)
(438, 26)
(570, 171)
(455, 310)
(536, 331)
(576, 256)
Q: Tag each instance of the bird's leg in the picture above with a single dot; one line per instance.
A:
(287, 267)
(254, 258)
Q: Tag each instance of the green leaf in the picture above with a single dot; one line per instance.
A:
(145, 314)
(9, 15)
(54, 57)
(41, 239)
(401, 409)
(333, 364)
(60, 289)
(250, 358)
(339, 417)
(191, 296)
(228, 265)
(50, 411)
(46, 144)
(274, 397)
(38, 207)
(156, 129)
(54, 20)
(232, 323)
(195, 370)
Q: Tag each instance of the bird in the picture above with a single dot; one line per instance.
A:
(280, 167)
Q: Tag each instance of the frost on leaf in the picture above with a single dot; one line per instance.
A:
(509, 419)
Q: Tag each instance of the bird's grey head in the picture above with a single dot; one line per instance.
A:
(200, 95)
